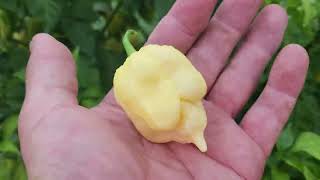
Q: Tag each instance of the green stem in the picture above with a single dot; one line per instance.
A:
(130, 39)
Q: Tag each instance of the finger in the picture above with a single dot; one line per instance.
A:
(50, 79)
(265, 120)
(210, 53)
(183, 24)
(238, 81)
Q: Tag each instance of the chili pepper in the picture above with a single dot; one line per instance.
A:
(162, 93)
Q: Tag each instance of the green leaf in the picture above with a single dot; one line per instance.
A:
(49, 11)
(294, 162)
(6, 168)
(88, 75)
(5, 25)
(162, 7)
(310, 11)
(76, 53)
(309, 175)
(277, 174)
(296, 33)
(91, 96)
(145, 26)
(33, 26)
(92, 92)
(108, 62)
(80, 34)
(292, 3)
(20, 171)
(7, 147)
(89, 103)
(266, 176)
(82, 10)
(101, 7)
(308, 142)
(14, 6)
(5, 29)
(18, 57)
(306, 114)
(314, 52)
(9, 126)
(304, 166)
(286, 138)
(20, 74)
(9, 5)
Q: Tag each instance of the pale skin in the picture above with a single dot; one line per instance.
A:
(62, 140)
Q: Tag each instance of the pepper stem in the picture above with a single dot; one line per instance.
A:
(130, 39)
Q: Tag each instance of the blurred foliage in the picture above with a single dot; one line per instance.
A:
(93, 29)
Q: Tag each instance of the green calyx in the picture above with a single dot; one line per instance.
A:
(131, 39)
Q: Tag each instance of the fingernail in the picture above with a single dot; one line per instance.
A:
(33, 43)
(37, 39)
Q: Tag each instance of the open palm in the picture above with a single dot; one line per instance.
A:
(61, 140)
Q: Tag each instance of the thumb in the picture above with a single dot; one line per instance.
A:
(50, 80)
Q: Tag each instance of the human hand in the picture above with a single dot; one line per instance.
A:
(61, 140)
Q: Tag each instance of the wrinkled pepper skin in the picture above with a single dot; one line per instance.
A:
(161, 92)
